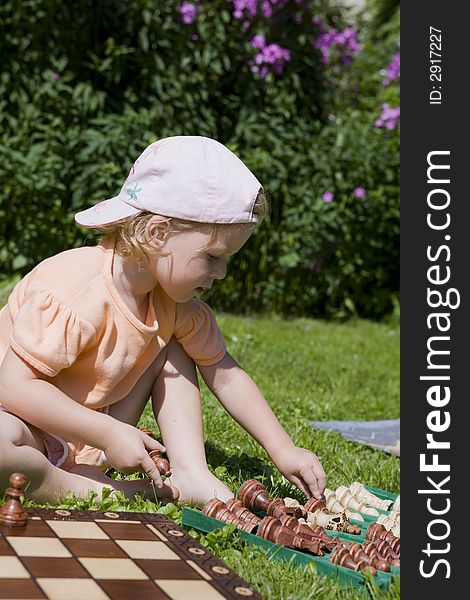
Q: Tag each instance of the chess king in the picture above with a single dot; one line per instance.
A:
(90, 334)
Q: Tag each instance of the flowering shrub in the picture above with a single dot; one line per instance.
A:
(88, 85)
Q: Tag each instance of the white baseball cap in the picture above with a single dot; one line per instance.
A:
(189, 177)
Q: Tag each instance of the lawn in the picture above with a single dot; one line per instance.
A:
(308, 370)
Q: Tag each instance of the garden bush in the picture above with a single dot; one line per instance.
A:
(84, 87)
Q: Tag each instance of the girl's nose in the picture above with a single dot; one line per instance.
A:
(220, 269)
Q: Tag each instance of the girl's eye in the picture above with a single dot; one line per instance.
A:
(212, 257)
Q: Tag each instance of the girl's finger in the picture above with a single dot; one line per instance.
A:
(150, 469)
(152, 444)
(310, 479)
(301, 485)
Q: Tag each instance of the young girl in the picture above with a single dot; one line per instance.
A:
(89, 335)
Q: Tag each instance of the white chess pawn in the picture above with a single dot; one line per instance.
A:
(363, 495)
(347, 499)
(332, 503)
(396, 504)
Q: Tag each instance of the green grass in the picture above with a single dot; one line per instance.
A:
(308, 370)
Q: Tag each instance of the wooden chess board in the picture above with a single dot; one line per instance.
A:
(78, 555)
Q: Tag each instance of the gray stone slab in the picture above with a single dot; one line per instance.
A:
(382, 435)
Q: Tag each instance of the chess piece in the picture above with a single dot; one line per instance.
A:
(347, 500)
(396, 504)
(332, 503)
(363, 495)
(273, 530)
(372, 548)
(391, 522)
(340, 556)
(335, 522)
(241, 511)
(376, 531)
(357, 551)
(304, 531)
(161, 463)
(217, 509)
(315, 504)
(254, 495)
(12, 513)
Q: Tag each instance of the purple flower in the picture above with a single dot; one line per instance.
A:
(271, 57)
(359, 192)
(246, 9)
(390, 117)
(55, 76)
(258, 41)
(342, 44)
(327, 196)
(393, 70)
(188, 12)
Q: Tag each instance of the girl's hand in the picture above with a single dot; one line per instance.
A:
(302, 468)
(127, 449)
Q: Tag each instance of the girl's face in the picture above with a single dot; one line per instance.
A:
(193, 262)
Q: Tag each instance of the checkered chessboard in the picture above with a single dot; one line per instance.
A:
(92, 555)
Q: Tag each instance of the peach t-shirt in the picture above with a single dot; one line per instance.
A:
(67, 320)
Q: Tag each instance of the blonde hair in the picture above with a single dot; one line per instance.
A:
(131, 240)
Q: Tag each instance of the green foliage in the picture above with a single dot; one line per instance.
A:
(84, 87)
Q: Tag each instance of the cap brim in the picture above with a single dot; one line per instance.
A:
(106, 213)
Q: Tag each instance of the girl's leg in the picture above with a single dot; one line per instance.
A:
(177, 407)
(21, 449)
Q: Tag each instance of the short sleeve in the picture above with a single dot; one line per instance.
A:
(48, 335)
(197, 331)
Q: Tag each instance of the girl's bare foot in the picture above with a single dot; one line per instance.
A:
(198, 486)
(130, 488)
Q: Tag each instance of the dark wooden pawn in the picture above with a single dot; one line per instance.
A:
(12, 513)
(340, 556)
(356, 550)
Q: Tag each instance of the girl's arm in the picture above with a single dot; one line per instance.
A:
(28, 394)
(241, 397)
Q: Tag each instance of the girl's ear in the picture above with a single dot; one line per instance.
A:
(157, 229)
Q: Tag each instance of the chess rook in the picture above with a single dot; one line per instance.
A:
(12, 513)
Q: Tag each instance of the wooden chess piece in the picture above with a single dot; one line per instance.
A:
(321, 533)
(217, 509)
(362, 494)
(241, 511)
(315, 504)
(376, 531)
(12, 513)
(340, 556)
(357, 551)
(304, 531)
(254, 495)
(372, 549)
(273, 530)
(161, 463)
